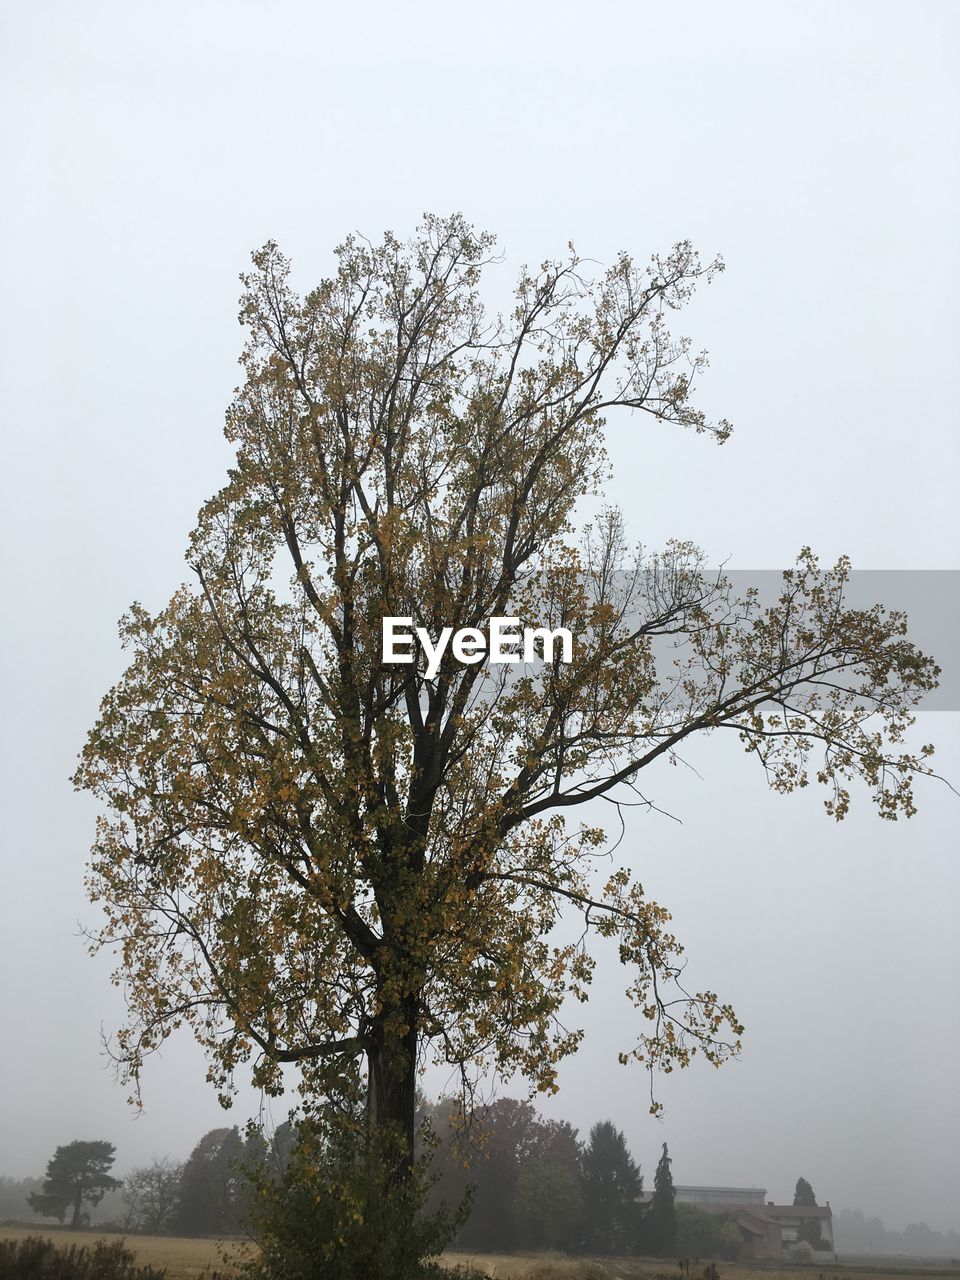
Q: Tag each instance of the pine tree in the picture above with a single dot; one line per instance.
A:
(803, 1195)
(77, 1174)
(809, 1227)
(660, 1220)
(612, 1188)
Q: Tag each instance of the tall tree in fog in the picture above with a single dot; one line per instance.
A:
(660, 1219)
(548, 1205)
(803, 1194)
(77, 1174)
(151, 1193)
(504, 1140)
(612, 1186)
(311, 856)
(212, 1185)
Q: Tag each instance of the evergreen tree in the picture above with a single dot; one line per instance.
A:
(660, 1220)
(803, 1195)
(77, 1174)
(612, 1186)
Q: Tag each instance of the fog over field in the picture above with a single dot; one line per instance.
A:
(148, 149)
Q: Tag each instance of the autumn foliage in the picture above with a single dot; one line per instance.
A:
(312, 858)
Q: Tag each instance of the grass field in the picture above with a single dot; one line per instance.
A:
(187, 1259)
(556, 1267)
(183, 1258)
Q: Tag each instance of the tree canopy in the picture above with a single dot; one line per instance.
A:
(612, 1190)
(803, 1194)
(312, 857)
(151, 1193)
(77, 1174)
(212, 1185)
(517, 1168)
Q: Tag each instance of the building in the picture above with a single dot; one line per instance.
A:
(790, 1218)
(768, 1230)
(722, 1195)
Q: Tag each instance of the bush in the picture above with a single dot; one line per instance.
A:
(731, 1241)
(802, 1251)
(338, 1213)
(706, 1235)
(38, 1259)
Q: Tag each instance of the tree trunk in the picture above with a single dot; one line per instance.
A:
(77, 1201)
(392, 1091)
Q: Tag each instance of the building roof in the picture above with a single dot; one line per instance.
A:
(756, 1223)
(745, 1191)
(799, 1210)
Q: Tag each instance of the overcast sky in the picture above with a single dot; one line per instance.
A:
(147, 148)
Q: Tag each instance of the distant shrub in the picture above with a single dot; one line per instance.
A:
(688, 1270)
(35, 1258)
(800, 1252)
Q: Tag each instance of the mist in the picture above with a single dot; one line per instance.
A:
(149, 150)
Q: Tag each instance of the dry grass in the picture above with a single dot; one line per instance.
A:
(186, 1259)
(557, 1267)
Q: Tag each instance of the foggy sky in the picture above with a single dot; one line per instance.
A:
(148, 148)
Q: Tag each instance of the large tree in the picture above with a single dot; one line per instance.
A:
(314, 857)
(152, 1195)
(212, 1185)
(612, 1186)
(548, 1205)
(77, 1174)
(489, 1156)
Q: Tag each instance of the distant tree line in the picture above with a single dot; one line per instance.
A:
(13, 1196)
(531, 1184)
(526, 1183)
(855, 1233)
(207, 1195)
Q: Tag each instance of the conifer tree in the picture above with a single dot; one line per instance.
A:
(660, 1220)
(77, 1174)
(612, 1187)
(803, 1195)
